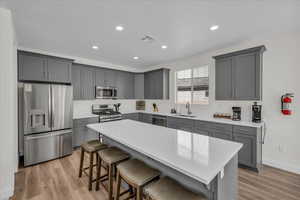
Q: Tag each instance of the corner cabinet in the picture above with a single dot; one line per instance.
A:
(239, 75)
(156, 84)
(81, 133)
(42, 68)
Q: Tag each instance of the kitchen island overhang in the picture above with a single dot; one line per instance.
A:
(201, 163)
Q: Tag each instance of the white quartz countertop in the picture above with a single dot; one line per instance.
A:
(200, 157)
(206, 118)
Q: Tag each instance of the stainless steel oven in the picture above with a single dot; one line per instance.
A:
(106, 92)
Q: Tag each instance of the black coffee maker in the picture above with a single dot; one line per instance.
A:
(236, 113)
(256, 113)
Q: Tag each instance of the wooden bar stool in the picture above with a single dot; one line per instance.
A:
(168, 189)
(111, 158)
(136, 174)
(91, 147)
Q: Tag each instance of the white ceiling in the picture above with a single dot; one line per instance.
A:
(71, 27)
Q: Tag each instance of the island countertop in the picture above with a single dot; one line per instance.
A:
(197, 156)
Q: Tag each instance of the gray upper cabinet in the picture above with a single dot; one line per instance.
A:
(59, 70)
(83, 81)
(139, 86)
(32, 67)
(110, 77)
(247, 72)
(125, 84)
(76, 82)
(42, 68)
(239, 74)
(100, 76)
(224, 79)
(156, 84)
(87, 83)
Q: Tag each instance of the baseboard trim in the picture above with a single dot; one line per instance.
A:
(286, 167)
(6, 193)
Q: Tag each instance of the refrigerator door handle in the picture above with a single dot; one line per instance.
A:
(38, 136)
(52, 108)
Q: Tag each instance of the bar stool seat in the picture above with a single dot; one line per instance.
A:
(113, 155)
(137, 174)
(91, 147)
(168, 189)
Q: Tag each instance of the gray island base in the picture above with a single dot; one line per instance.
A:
(196, 168)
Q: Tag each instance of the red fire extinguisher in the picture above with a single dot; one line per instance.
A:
(286, 103)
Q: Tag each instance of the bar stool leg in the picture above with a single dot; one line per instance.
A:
(91, 171)
(110, 182)
(98, 172)
(118, 186)
(81, 162)
(139, 193)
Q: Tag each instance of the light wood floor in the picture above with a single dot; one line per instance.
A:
(59, 180)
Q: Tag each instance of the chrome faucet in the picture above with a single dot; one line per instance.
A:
(188, 107)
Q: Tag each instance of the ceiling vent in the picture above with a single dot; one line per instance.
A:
(148, 39)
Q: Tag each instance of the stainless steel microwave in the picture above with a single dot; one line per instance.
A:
(106, 92)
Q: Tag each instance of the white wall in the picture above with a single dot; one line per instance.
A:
(8, 105)
(280, 75)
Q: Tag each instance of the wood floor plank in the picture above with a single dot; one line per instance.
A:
(58, 179)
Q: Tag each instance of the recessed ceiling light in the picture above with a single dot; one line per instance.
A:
(95, 47)
(119, 28)
(214, 27)
(164, 46)
(135, 58)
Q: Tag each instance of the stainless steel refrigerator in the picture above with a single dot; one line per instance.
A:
(45, 121)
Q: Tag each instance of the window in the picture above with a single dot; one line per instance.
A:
(192, 86)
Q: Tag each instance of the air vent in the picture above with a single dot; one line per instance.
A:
(148, 39)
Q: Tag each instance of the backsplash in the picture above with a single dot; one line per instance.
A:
(84, 107)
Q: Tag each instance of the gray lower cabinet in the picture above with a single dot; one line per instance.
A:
(220, 134)
(251, 153)
(156, 84)
(81, 133)
(181, 124)
(42, 68)
(132, 116)
(145, 117)
(238, 75)
(201, 127)
(222, 131)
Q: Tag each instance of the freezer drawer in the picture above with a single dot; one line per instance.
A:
(66, 145)
(43, 147)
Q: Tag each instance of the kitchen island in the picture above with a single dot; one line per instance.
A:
(201, 163)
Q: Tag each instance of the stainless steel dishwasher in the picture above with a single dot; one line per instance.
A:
(159, 120)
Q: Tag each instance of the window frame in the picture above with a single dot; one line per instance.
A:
(192, 85)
